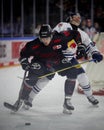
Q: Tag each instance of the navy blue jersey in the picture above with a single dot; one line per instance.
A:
(54, 51)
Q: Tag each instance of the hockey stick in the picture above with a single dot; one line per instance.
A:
(18, 103)
(76, 66)
(22, 83)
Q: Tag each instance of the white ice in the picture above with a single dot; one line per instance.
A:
(46, 113)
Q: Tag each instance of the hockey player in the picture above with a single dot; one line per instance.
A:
(86, 49)
(49, 53)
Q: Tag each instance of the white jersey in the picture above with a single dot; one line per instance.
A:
(63, 26)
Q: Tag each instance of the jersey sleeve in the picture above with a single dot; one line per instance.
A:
(90, 46)
(77, 37)
(62, 26)
(74, 39)
(25, 51)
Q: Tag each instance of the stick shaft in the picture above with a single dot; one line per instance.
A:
(78, 65)
(22, 84)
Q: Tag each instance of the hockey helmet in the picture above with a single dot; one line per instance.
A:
(74, 18)
(45, 31)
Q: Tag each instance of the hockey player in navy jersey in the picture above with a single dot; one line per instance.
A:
(51, 52)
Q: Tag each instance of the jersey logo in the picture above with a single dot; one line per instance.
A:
(60, 25)
(72, 44)
(36, 66)
(65, 60)
(55, 47)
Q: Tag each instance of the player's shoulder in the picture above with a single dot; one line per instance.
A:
(62, 26)
(84, 36)
(62, 23)
(81, 31)
(34, 41)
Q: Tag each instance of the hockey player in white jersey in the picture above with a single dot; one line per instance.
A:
(87, 49)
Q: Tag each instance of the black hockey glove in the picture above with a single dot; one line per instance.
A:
(97, 57)
(24, 63)
(81, 51)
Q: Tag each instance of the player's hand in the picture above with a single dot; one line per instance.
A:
(81, 51)
(24, 63)
(97, 57)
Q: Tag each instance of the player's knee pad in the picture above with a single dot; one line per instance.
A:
(42, 82)
(69, 86)
(32, 80)
(83, 79)
(84, 83)
(25, 90)
(40, 85)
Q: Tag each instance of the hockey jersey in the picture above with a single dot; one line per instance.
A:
(90, 46)
(61, 43)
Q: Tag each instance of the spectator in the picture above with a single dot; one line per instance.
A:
(98, 30)
(18, 31)
(90, 29)
(97, 27)
(83, 24)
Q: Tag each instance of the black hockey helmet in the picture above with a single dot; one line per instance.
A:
(45, 31)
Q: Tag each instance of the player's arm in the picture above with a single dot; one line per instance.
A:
(74, 40)
(62, 26)
(91, 49)
(24, 56)
(81, 51)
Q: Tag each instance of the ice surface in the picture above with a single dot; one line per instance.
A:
(46, 113)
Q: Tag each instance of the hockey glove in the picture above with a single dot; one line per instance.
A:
(81, 51)
(97, 57)
(24, 63)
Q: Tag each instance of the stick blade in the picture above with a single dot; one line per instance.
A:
(9, 106)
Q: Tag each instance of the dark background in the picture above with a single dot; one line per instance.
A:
(84, 7)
